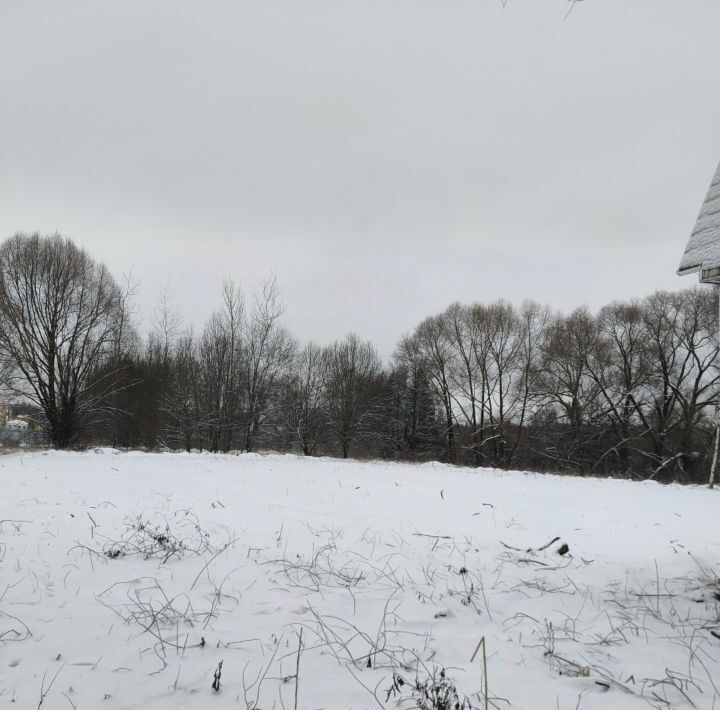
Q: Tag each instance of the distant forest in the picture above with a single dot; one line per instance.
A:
(628, 391)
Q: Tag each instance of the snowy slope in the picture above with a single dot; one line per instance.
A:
(405, 566)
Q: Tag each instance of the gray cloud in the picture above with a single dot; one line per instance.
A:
(382, 157)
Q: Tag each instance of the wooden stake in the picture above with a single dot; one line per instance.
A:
(481, 643)
(297, 669)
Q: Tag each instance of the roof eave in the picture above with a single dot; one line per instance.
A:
(684, 271)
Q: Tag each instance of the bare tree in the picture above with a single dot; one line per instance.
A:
(532, 322)
(181, 403)
(679, 330)
(697, 380)
(618, 363)
(219, 354)
(661, 314)
(267, 351)
(115, 373)
(166, 327)
(499, 365)
(59, 316)
(303, 401)
(463, 329)
(433, 345)
(569, 394)
(352, 366)
(416, 423)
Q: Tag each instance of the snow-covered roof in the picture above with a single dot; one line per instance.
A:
(703, 247)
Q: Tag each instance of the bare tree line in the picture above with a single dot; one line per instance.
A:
(629, 391)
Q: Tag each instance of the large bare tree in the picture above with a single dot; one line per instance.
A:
(352, 368)
(267, 351)
(60, 313)
(433, 345)
(219, 355)
(304, 406)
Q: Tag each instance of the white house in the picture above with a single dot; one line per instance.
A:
(16, 425)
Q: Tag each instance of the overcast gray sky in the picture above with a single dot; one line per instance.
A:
(382, 158)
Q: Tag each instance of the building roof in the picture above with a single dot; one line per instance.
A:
(703, 247)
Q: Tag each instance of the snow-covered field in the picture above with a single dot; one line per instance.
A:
(125, 579)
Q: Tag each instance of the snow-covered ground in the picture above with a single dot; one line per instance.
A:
(127, 578)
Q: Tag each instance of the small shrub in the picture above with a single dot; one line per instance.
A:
(435, 692)
(161, 539)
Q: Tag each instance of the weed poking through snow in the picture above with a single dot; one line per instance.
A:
(435, 692)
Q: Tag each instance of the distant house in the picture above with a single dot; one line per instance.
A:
(30, 422)
(17, 425)
(20, 429)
